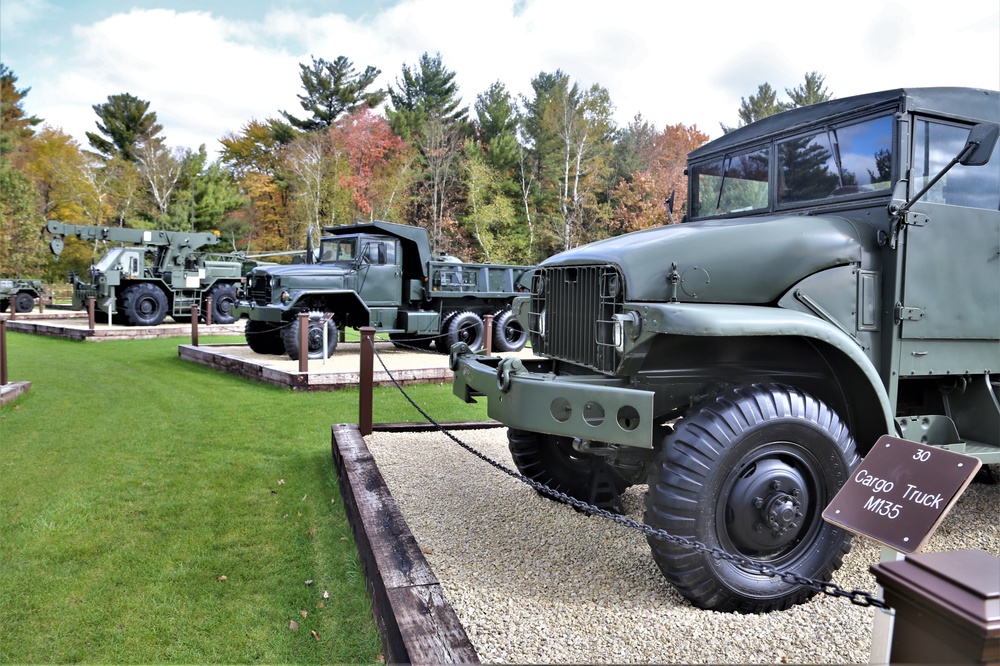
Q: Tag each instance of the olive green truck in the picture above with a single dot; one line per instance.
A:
(836, 278)
(382, 275)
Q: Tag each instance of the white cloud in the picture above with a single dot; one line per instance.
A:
(205, 76)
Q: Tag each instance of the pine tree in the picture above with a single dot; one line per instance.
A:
(334, 89)
(125, 122)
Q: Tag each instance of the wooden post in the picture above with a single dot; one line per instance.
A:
(488, 333)
(91, 318)
(303, 342)
(208, 311)
(194, 325)
(945, 607)
(366, 380)
(3, 351)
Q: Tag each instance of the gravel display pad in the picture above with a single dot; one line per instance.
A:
(533, 581)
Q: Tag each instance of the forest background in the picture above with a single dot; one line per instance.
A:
(511, 180)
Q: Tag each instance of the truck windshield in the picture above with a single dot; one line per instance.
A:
(735, 183)
(338, 249)
(836, 161)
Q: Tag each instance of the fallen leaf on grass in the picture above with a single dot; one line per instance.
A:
(309, 582)
(220, 579)
(281, 482)
(326, 595)
(380, 657)
(293, 625)
(304, 613)
(314, 634)
(320, 604)
(305, 496)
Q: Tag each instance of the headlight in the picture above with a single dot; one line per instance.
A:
(286, 298)
(624, 325)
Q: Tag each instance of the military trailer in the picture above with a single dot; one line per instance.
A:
(837, 278)
(22, 293)
(382, 275)
(155, 273)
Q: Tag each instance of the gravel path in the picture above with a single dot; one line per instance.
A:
(534, 581)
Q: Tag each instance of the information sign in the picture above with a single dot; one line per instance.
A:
(901, 492)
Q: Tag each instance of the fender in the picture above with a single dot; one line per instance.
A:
(734, 321)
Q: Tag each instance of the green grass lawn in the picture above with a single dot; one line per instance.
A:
(132, 482)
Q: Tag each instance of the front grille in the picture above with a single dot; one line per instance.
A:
(575, 305)
(259, 288)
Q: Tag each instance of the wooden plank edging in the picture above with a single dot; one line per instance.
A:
(416, 621)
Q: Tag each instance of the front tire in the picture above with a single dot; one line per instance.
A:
(552, 461)
(508, 334)
(24, 302)
(750, 472)
(314, 339)
(466, 327)
(144, 305)
(264, 338)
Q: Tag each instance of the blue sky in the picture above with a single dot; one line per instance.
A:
(209, 67)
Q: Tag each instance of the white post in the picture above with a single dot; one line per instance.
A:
(884, 620)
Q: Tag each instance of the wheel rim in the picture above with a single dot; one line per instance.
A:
(467, 334)
(315, 340)
(512, 332)
(146, 306)
(770, 505)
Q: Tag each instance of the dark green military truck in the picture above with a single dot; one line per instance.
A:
(382, 275)
(21, 293)
(837, 278)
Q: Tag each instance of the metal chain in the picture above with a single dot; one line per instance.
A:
(856, 597)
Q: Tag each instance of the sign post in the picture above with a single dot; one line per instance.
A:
(898, 496)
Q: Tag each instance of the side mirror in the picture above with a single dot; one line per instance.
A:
(979, 146)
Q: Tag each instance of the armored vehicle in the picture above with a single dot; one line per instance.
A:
(380, 274)
(22, 293)
(837, 278)
(154, 274)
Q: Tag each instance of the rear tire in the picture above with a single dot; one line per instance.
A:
(314, 339)
(749, 472)
(144, 305)
(223, 299)
(508, 334)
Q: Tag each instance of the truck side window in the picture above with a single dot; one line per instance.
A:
(934, 145)
(837, 161)
(734, 184)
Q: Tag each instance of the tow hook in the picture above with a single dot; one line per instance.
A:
(457, 349)
(505, 370)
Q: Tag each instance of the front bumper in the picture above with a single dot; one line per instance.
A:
(251, 310)
(526, 394)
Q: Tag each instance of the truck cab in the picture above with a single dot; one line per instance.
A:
(836, 278)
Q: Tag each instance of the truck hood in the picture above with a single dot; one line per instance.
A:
(302, 271)
(743, 260)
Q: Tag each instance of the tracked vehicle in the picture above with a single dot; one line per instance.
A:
(837, 278)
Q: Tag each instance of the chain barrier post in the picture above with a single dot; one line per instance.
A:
(41, 304)
(91, 316)
(303, 342)
(366, 380)
(194, 325)
(208, 311)
(3, 351)
(488, 334)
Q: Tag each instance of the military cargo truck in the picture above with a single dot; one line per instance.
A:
(22, 293)
(837, 278)
(380, 274)
(154, 274)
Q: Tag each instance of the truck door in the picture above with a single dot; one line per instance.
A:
(951, 281)
(381, 276)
